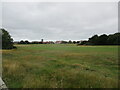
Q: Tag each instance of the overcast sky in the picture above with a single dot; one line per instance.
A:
(59, 21)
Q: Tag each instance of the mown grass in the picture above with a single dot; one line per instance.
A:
(61, 66)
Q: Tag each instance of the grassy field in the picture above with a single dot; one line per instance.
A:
(61, 66)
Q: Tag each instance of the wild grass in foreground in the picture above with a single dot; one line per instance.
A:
(61, 66)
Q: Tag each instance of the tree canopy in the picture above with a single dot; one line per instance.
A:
(7, 41)
(112, 39)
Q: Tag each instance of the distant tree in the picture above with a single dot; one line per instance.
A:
(117, 38)
(110, 40)
(78, 42)
(70, 42)
(74, 42)
(114, 39)
(93, 40)
(27, 42)
(64, 42)
(7, 41)
(21, 42)
(102, 40)
(84, 43)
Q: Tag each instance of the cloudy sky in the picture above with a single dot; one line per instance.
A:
(60, 20)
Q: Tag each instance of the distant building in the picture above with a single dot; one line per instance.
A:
(42, 40)
(58, 42)
(48, 42)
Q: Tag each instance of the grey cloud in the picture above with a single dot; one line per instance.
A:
(59, 21)
(0, 13)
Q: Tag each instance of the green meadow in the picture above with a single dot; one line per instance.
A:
(61, 66)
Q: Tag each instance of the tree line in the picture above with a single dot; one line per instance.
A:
(112, 39)
(47, 42)
(33, 42)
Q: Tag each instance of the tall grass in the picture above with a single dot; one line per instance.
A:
(61, 66)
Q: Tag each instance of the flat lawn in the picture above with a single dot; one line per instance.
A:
(61, 66)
